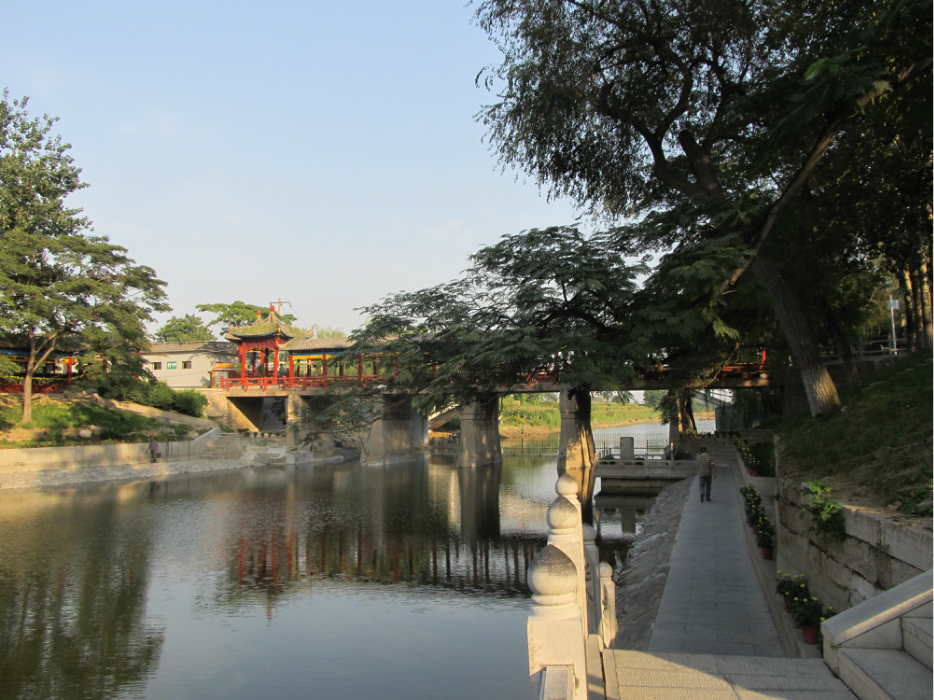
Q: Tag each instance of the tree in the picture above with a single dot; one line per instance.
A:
(329, 332)
(184, 329)
(60, 285)
(654, 397)
(706, 119)
(237, 314)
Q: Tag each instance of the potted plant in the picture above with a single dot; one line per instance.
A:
(765, 541)
(786, 588)
(809, 613)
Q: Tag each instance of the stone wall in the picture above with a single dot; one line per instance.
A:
(877, 554)
(119, 454)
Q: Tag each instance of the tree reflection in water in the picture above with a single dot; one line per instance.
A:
(73, 586)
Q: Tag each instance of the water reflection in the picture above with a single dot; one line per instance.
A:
(138, 589)
(73, 584)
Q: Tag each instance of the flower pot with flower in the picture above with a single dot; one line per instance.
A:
(808, 614)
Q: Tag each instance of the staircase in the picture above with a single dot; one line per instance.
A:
(881, 649)
(227, 446)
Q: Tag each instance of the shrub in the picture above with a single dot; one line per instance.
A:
(190, 402)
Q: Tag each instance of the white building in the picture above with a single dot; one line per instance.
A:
(189, 365)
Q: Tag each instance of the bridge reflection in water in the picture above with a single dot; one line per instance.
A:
(136, 589)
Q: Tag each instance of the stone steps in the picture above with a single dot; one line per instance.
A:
(916, 638)
(884, 674)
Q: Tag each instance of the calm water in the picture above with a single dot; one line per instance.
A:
(329, 581)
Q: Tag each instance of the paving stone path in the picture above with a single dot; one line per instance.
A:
(714, 638)
(713, 602)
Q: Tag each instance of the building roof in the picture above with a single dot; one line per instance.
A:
(318, 344)
(215, 346)
(272, 325)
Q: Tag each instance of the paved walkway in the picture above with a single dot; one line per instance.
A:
(713, 603)
(637, 675)
(714, 638)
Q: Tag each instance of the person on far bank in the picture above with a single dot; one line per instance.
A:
(153, 450)
(705, 470)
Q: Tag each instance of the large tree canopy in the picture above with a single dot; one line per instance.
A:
(60, 285)
(185, 329)
(702, 121)
(237, 314)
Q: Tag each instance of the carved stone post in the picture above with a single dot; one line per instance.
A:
(608, 624)
(566, 533)
(554, 628)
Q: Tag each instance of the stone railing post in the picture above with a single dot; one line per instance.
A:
(592, 576)
(554, 628)
(627, 449)
(566, 533)
(608, 624)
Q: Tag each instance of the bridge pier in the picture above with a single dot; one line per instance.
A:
(576, 435)
(479, 441)
(479, 498)
(577, 455)
(397, 436)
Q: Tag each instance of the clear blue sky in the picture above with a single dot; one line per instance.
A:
(324, 153)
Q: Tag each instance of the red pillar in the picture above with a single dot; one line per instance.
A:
(275, 364)
(68, 363)
(324, 368)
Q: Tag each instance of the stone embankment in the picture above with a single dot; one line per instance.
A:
(48, 478)
(641, 580)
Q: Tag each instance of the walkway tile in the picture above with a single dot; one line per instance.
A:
(661, 676)
(712, 601)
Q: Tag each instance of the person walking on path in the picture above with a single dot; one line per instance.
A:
(705, 470)
(153, 450)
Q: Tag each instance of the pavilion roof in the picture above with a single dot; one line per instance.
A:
(271, 326)
(317, 344)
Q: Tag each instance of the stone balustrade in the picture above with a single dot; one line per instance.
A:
(574, 599)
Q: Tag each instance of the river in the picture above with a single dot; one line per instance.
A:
(325, 581)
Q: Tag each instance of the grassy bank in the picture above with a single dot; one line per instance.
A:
(878, 449)
(57, 422)
(545, 417)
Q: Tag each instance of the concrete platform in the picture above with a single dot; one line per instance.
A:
(636, 675)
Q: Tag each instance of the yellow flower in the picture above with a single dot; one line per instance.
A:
(813, 598)
(802, 585)
(822, 619)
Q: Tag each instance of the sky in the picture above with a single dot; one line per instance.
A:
(325, 154)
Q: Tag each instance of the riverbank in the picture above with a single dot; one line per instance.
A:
(515, 430)
(641, 580)
(51, 478)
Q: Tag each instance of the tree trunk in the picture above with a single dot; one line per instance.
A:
(919, 279)
(851, 372)
(27, 394)
(822, 395)
(911, 323)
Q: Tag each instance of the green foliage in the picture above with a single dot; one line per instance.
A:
(788, 586)
(705, 126)
(826, 512)
(190, 402)
(759, 458)
(61, 286)
(8, 368)
(57, 417)
(329, 332)
(237, 314)
(185, 329)
(882, 442)
(158, 395)
(653, 397)
(807, 610)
